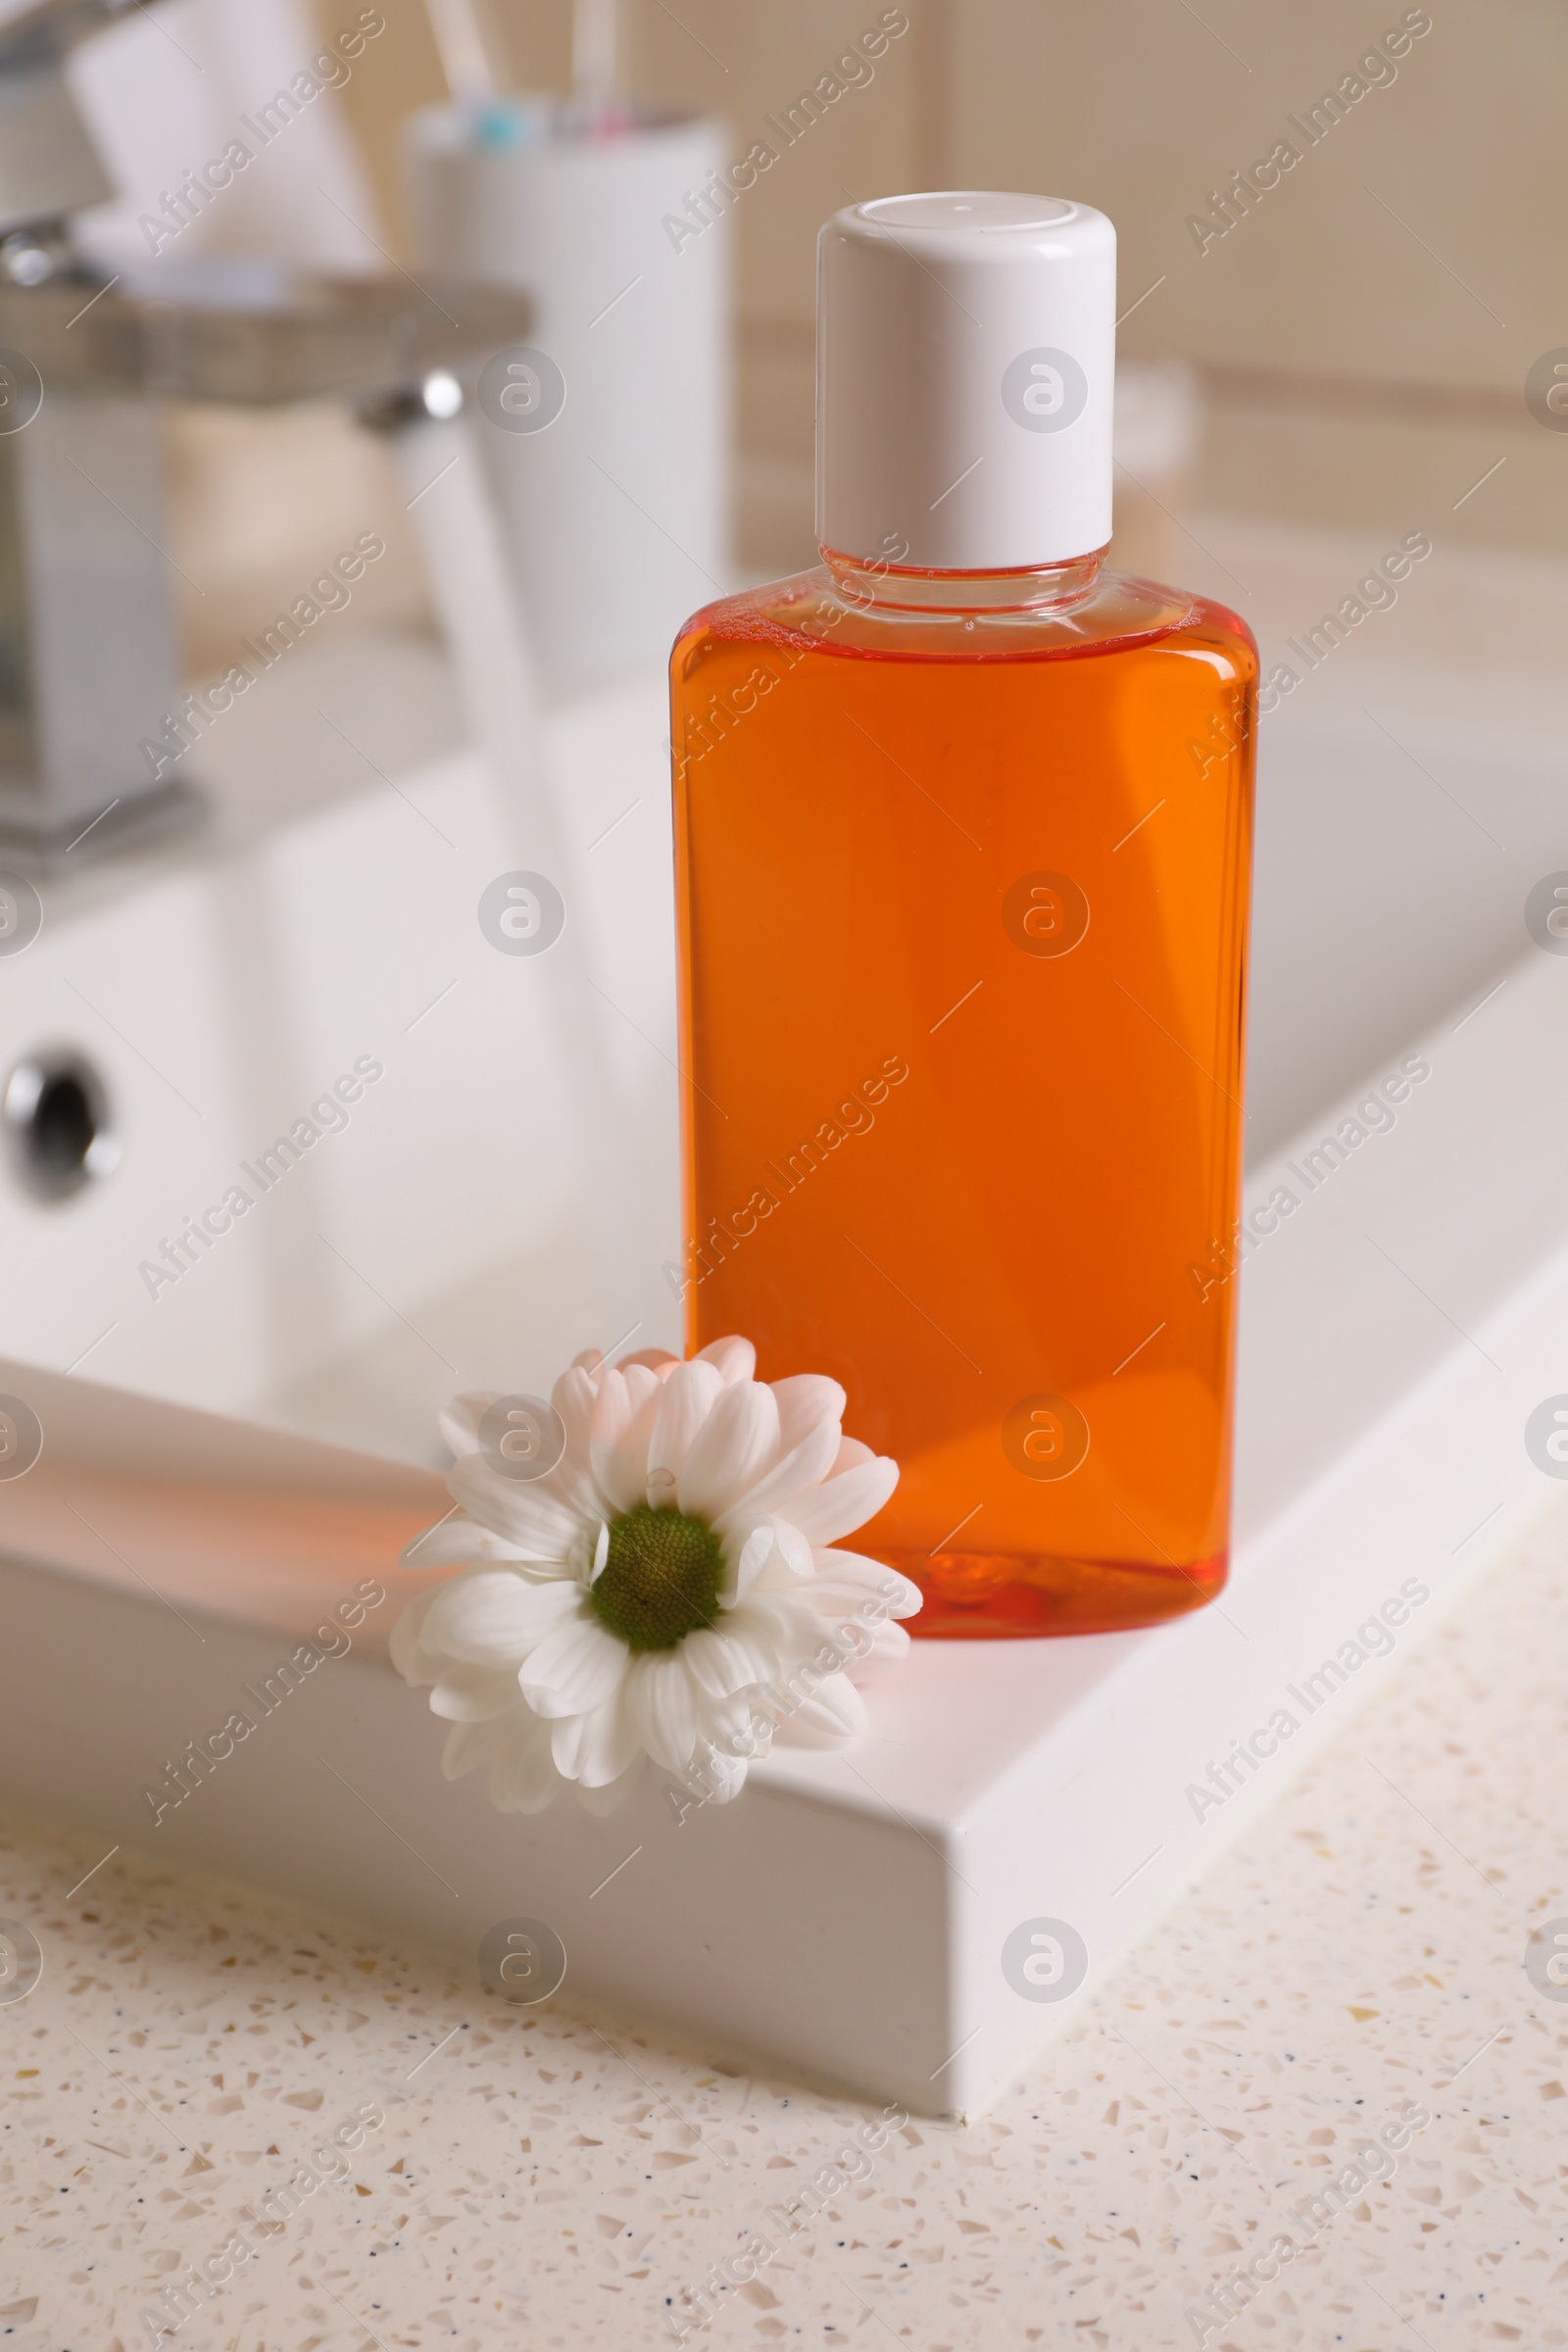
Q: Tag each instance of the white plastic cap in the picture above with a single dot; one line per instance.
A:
(966, 365)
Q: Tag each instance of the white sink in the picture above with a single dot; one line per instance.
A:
(848, 1916)
(438, 1237)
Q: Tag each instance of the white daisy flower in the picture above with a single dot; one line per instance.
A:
(671, 1589)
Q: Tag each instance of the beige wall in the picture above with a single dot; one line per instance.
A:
(1365, 332)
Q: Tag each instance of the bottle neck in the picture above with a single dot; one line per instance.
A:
(1043, 588)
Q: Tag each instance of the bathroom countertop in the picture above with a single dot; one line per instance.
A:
(548, 2177)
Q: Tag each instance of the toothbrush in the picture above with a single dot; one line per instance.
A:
(593, 30)
(465, 58)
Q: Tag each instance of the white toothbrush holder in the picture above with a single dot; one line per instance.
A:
(608, 437)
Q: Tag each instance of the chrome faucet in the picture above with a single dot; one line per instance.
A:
(89, 648)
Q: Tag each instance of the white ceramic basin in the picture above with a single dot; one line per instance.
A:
(435, 1234)
(848, 1916)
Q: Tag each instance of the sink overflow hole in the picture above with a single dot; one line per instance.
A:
(56, 1124)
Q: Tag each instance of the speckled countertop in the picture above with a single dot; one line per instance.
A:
(548, 2179)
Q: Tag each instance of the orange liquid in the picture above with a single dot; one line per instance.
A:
(964, 925)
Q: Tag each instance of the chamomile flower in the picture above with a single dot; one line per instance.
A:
(652, 1573)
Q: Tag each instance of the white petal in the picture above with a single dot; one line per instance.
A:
(804, 1401)
(851, 1451)
(457, 1542)
(658, 1360)
(791, 1546)
(660, 1697)
(573, 1400)
(596, 1748)
(459, 1422)
(494, 1617)
(474, 1693)
(740, 1727)
(847, 1502)
(577, 1667)
(405, 1642)
(574, 1397)
(619, 1434)
(851, 1572)
(775, 1557)
(724, 1775)
(685, 1401)
(721, 1662)
(799, 1472)
(534, 1514)
(735, 1446)
(890, 1647)
(779, 1632)
(742, 1574)
(864, 1646)
(834, 1713)
(736, 1358)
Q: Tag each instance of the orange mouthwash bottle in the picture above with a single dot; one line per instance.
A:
(962, 859)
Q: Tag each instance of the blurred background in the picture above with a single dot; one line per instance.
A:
(1359, 342)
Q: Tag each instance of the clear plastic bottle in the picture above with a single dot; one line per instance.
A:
(963, 872)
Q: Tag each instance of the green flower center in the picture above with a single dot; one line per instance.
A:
(661, 1580)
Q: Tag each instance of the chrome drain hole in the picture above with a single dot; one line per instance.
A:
(56, 1124)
